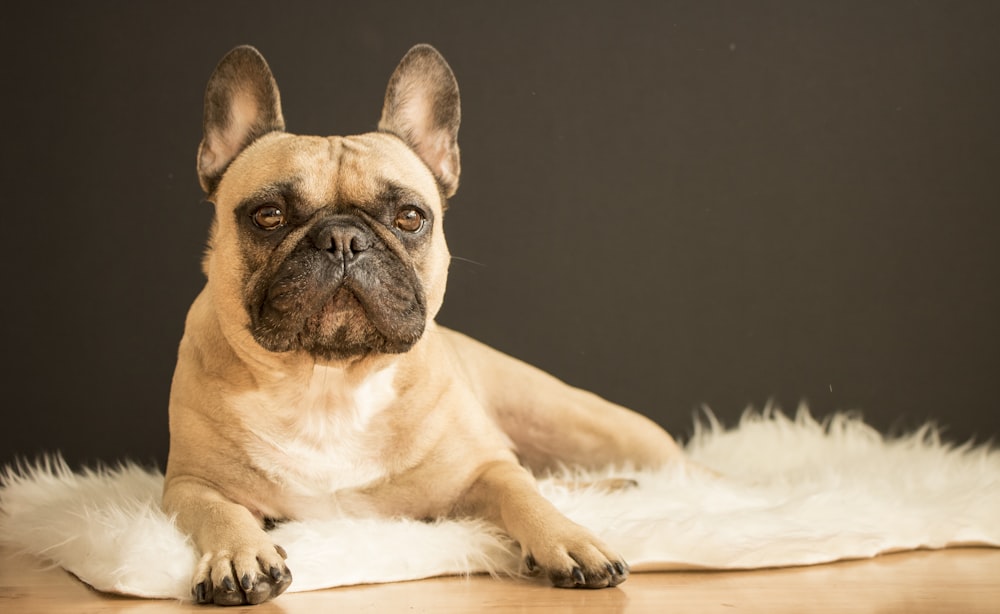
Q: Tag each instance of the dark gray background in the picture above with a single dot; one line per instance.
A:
(670, 203)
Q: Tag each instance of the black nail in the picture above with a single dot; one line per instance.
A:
(530, 563)
(578, 576)
(245, 582)
(199, 592)
(275, 573)
(620, 569)
(228, 585)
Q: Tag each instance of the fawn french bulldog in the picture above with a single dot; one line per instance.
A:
(312, 378)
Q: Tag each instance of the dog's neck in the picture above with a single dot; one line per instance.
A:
(328, 396)
(312, 378)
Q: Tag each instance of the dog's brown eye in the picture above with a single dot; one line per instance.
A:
(409, 219)
(268, 217)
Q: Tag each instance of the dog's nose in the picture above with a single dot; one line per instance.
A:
(343, 239)
(348, 241)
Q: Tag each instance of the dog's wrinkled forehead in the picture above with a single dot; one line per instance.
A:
(326, 171)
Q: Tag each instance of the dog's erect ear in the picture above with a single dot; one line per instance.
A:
(241, 105)
(422, 108)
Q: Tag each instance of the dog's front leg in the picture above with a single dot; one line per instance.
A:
(239, 563)
(506, 494)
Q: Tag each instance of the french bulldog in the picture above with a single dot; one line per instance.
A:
(312, 378)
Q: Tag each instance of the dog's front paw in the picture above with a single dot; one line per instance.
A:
(576, 559)
(246, 576)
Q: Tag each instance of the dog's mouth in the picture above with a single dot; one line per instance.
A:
(373, 305)
(342, 315)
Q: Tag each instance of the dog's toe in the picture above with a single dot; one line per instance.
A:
(269, 585)
(202, 592)
(227, 593)
(263, 575)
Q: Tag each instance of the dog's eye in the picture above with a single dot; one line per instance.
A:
(409, 219)
(268, 217)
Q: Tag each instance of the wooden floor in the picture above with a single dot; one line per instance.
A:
(961, 581)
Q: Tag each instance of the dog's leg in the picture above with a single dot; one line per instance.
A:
(505, 493)
(239, 563)
(554, 424)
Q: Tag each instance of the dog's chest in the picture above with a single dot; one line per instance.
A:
(322, 439)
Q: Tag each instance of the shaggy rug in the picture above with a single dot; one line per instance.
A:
(796, 491)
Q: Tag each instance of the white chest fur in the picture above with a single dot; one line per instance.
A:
(320, 439)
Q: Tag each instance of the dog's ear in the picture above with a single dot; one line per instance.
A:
(241, 105)
(422, 108)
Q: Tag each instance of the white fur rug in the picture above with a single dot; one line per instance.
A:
(796, 492)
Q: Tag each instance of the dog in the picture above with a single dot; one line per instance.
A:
(311, 377)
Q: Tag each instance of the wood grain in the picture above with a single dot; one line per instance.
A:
(961, 580)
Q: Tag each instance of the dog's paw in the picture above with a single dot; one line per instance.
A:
(247, 576)
(576, 559)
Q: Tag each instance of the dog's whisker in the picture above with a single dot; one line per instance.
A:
(469, 260)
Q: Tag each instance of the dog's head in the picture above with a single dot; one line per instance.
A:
(331, 246)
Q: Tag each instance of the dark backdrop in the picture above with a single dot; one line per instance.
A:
(670, 203)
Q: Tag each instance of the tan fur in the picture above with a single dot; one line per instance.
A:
(440, 430)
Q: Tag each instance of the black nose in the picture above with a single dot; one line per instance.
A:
(347, 240)
(343, 238)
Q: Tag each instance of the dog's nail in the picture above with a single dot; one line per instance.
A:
(281, 551)
(228, 585)
(245, 582)
(530, 563)
(275, 573)
(199, 592)
(620, 569)
(578, 576)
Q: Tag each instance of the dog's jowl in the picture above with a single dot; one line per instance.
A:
(312, 379)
